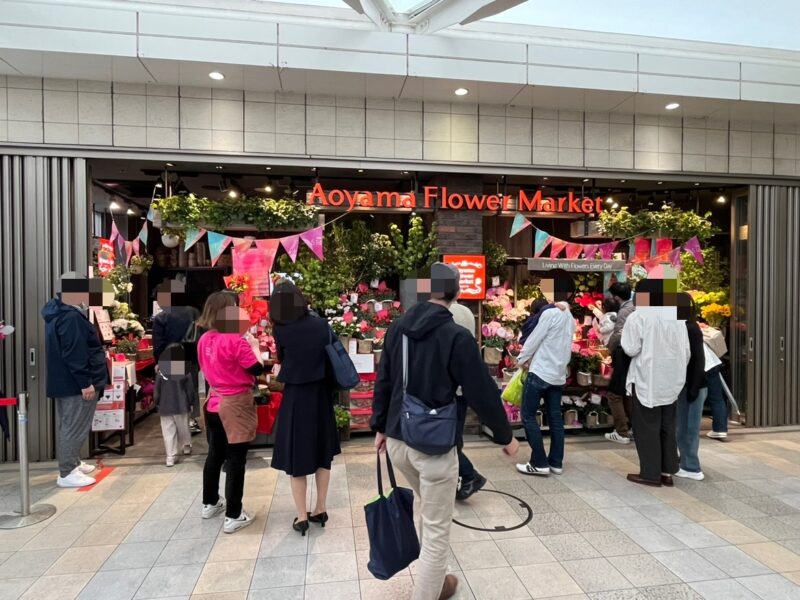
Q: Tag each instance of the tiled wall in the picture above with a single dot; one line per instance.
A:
(55, 111)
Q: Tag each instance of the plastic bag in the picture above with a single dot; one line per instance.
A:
(513, 392)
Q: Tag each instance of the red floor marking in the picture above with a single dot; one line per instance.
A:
(104, 472)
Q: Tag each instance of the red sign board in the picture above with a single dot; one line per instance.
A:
(105, 256)
(472, 268)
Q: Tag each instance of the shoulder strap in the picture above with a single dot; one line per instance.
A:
(392, 480)
(405, 363)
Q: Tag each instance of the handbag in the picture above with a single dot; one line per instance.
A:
(393, 540)
(513, 392)
(428, 430)
(344, 372)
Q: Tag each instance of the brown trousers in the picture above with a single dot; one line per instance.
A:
(621, 411)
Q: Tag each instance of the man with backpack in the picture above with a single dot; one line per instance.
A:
(426, 357)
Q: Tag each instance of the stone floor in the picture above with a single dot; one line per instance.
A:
(138, 533)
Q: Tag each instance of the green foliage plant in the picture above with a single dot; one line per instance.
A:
(712, 275)
(416, 251)
(496, 257)
(669, 222)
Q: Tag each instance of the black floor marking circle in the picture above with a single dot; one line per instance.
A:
(521, 503)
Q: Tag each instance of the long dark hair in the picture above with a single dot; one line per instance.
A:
(287, 304)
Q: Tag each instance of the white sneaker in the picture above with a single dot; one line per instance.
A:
(556, 470)
(717, 435)
(86, 468)
(170, 461)
(76, 479)
(615, 437)
(233, 525)
(212, 510)
(529, 469)
(187, 450)
(689, 475)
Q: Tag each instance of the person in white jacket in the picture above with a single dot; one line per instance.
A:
(658, 344)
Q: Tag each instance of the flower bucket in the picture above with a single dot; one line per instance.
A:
(378, 354)
(584, 379)
(599, 380)
(345, 340)
(492, 356)
(605, 419)
(388, 304)
(137, 269)
(365, 346)
(571, 417)
(592, 419)
(508, 374)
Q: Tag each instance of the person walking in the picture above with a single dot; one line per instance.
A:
(230, 360)
(715, 348)
(306, 437)
(691, 400)
(658, 344)
(619, 402)
(548, 349)
(470, 481)
(77, 371)
(441, 356)
(175, 396)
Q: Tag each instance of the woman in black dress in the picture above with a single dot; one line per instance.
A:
(306, 439)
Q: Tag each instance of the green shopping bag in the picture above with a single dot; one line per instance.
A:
(513, 392)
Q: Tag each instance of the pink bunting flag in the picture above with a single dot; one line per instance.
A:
(574, 250)
(607, 250)
(641, 248)
(128, 252)
(590, 250)
(270, 249)
(693, 247)
(675, 259)
(313, 239)
(291, 245)
(652, 263)
(114, 232)
(143, 234)
(242, 244)
(556, 246)
(663, 246)
(540, 241)
(135, 245)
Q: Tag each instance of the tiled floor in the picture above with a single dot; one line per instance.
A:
(593, 535)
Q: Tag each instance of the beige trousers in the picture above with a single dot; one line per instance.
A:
(175, 430)
(434, 480)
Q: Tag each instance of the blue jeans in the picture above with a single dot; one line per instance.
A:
(466, 469)
(536, 389)
(717, 400)
(687, 430)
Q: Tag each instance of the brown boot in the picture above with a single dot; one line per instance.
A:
(449, 587)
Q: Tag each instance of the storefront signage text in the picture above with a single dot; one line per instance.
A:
(441, 197)
(472, 271)
(576, 265)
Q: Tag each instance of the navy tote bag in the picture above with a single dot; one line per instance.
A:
(393, 541)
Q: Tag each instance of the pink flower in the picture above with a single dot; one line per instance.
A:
(364, 326)
(382, 287)
(348, 317)
(362, 288)
(396, 303)
(380, 334)
(364, 307)
(576, 348)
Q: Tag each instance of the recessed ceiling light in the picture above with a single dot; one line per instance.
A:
(615, 206)
(361, 170)
(623, 180)
(170, 165)
(216, 75)
(697, 183)
(545, 178)
(129, 211)
(268, 188)
(114, 205)
(403, 172)
(722, 199)
(586, 180)
(461, 92)
(672, 106)
(219, 167)
(232, 194)
(660, 183)
(269, 168)
(609, 200)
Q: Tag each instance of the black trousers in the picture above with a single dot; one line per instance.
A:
(220, 451)
(656, 444)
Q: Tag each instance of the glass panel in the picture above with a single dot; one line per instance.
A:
(738, 326)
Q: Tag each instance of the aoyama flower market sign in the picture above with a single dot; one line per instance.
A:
(442, 198)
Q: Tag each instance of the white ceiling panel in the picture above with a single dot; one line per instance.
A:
(219, 28)
(438, 90)
(340, 84)
(237, 77)
(65, 65)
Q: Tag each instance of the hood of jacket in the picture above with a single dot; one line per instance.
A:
(56, 307)
(423, 318)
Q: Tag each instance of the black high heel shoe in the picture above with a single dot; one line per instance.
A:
(300, 526)
(321, 518)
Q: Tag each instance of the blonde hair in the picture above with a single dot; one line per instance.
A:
(214, 304)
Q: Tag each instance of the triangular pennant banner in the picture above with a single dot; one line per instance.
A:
(216, 245)
(313, 239)
(652, 263)
(151, 213)
(128, 252)
(291, 245)
(607, 250)
(675, 259)
(114, 232)
(192, 237)
(693, 247)
(520, 223)
(589, 250)
(574, 250)
(144, 233)
(641, 248)
(135, 246)
(242, 244)
(540, 241)
(270, 249)
(556, 246)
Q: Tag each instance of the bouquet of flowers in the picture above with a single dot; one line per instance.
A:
(497, 300)
(495, 335)
(513, 317)
(342, 327)
(127, 329)
(588, 299)
(238, 282)
(366, 331)
(702, 299)
(585, 360)
(122, 310)
(715, 314)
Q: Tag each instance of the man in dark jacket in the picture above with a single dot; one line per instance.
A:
(618, 399)
(441, 357)
(77, 372)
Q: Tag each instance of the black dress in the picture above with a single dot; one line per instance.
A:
(306, 437)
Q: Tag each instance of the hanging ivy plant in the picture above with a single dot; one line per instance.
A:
(668, 222)
(264, 214)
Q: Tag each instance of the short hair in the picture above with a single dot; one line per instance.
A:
(444, 282)
(215, 303)
(610, 305)
(620, 289)
(563, 284)
(538, 305)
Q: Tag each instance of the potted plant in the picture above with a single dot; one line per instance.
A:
(495, 338)
(496, 257)
(342, 416)
(366, 336)
(377, 346)
(128, 347)
(141, 263)
(415, 252)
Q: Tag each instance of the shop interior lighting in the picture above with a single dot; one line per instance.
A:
(403, 172)
(722, 199)
(361, 170)
(159, 185)
(130, 212)
(114, 205)
(672, 106)
(219, 167)
(268, 168)
(615, 206)
(461, 92)
(623, 180)
(216, 76)
(697, 183)
(586, 180)
(170, 165)
(609, 200)
(660, 183)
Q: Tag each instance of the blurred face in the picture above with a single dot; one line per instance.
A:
(233, 319)
(171, 294)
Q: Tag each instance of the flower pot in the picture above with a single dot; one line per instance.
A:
(365, 346)
(137, 269)
(492, 356)
(599, 380)
(508, 374)
(584, 379)
(387, 304)
(170, 241)
(132, 356)
(345, 339)
(378, 354)
(592, 419)
(344, 434)
(570, 417)
(605, 419)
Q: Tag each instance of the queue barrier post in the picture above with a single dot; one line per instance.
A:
(26, 515)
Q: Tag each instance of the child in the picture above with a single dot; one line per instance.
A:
(175, 395)
(604, 320)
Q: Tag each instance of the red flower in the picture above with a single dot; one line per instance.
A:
(362, 288)
(348, 317)
(382, 287)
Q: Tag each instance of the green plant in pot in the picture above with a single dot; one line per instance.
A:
(342, 416)
(496, 257)
(127, 347)
(141, 263)
(669, 222)
(411, 254)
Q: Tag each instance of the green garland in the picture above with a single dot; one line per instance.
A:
(264, 214)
